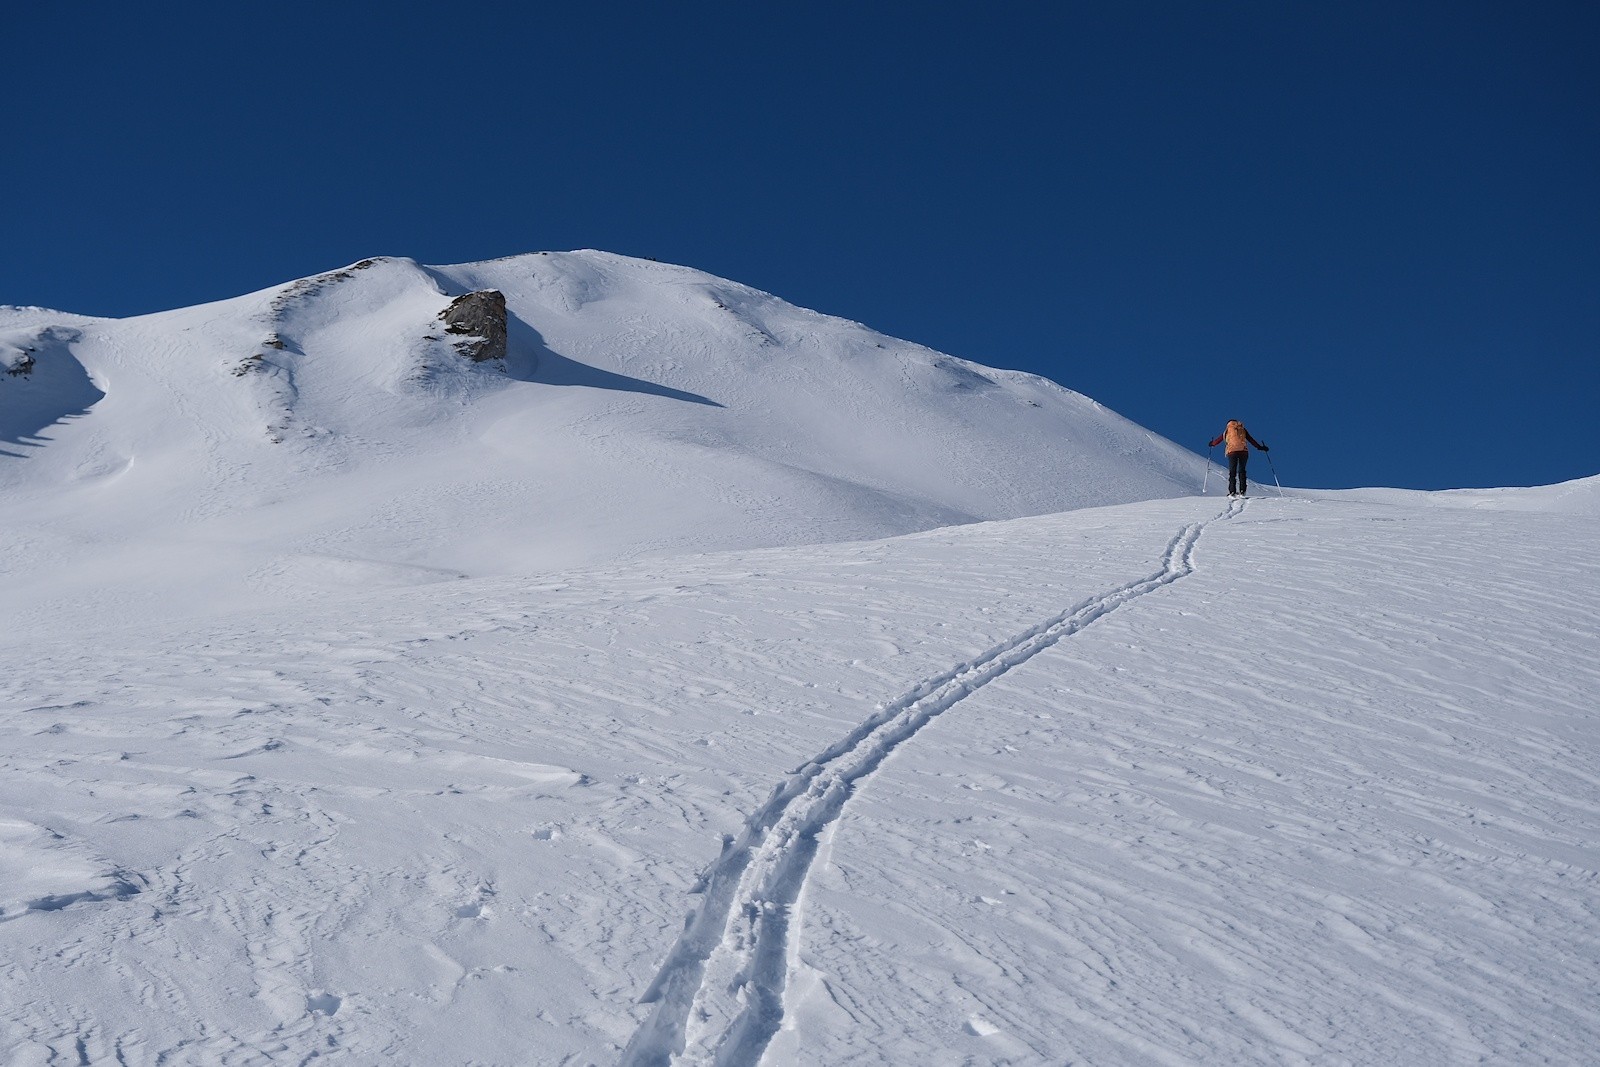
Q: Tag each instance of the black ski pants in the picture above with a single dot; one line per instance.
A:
(1236, 465)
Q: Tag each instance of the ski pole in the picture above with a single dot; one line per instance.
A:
(1206, 481)
(1274, 467)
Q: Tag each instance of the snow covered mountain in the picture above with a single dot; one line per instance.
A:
(330, 431)
(308, 751)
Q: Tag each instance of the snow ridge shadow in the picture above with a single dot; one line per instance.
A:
(719, 995)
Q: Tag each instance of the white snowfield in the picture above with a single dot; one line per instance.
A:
(1310, 779)
(325, 434)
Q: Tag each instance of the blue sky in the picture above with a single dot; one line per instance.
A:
(1371, 230)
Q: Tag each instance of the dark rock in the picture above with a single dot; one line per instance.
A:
(482, 317)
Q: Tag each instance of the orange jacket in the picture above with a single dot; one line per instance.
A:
(1238, 438)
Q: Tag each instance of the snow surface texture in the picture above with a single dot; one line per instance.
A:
(1312, 781)
(1309, 779)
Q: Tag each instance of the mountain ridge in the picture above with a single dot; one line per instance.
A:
(641, 408)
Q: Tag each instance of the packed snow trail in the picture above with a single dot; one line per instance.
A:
(720, 992)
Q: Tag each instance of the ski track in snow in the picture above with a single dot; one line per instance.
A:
(720, 994)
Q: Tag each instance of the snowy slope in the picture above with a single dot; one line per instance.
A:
(1581, 496)
(1302, 781)
(364, 703)
(325, 433)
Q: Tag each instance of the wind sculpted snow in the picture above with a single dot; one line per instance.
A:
(1319, 785)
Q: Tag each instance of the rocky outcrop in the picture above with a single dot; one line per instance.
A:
(18, 347)
(480, 318)
(309, 287)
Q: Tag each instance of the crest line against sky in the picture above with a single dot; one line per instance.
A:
(1370, 230)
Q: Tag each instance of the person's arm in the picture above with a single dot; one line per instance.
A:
(1218, 440)
(1253, 441)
